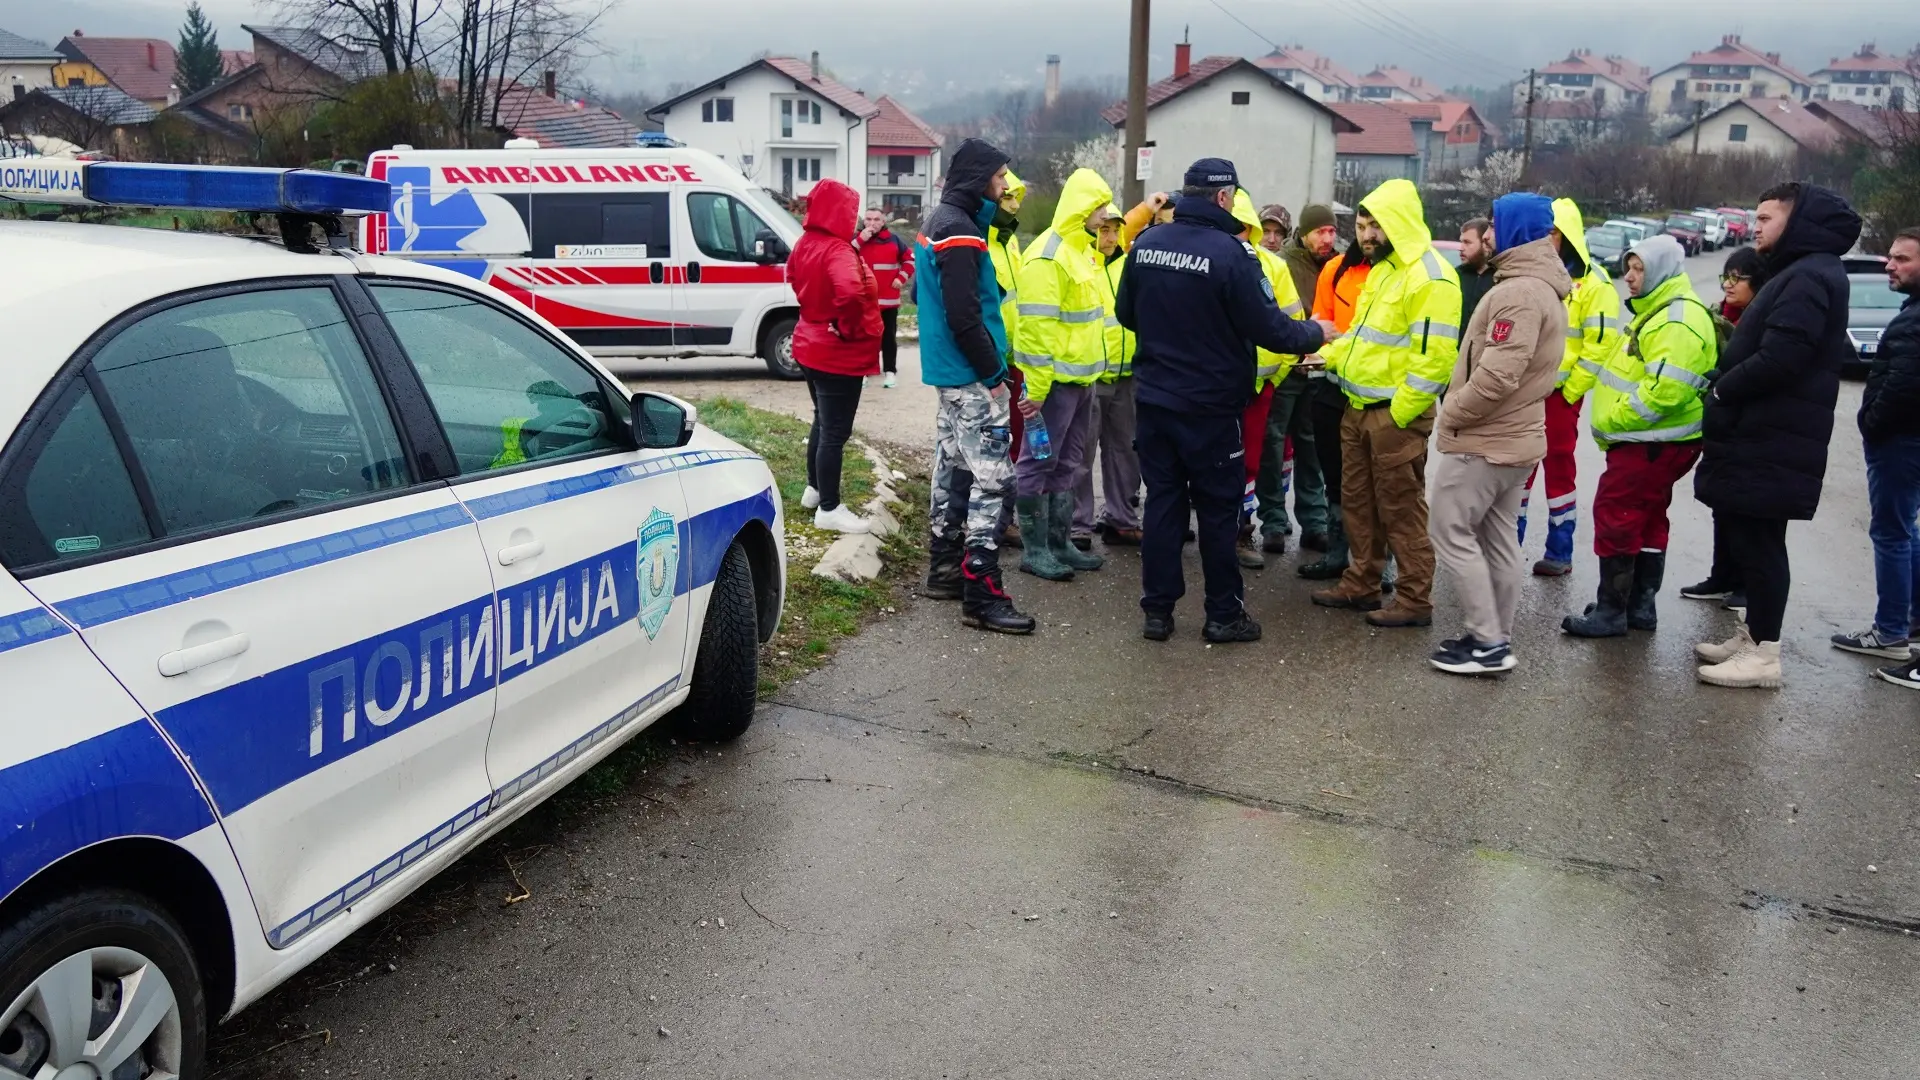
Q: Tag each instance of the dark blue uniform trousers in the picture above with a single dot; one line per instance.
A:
(1192, 464)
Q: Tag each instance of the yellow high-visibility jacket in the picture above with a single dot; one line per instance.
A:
(1406, 331)
(1651, 390)
(1594, 327)
(1062, 333)
(1119, 340)
(1004, 249)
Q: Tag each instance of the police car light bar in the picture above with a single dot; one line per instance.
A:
(190, 187)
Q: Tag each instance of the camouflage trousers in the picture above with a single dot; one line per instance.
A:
(972, 473)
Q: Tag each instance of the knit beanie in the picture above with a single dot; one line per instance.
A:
(1315, 216)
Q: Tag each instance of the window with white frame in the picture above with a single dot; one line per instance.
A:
(717, 111)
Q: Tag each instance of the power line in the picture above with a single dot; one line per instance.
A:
(1223, 10)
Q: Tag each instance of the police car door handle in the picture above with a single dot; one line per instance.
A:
(514, 553)
(184, 660)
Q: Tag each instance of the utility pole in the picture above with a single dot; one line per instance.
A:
(1699, 108)
(1526, 148)
(1134, 189)
(1693, 163)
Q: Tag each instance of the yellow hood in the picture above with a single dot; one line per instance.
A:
(1244, 211)
(1396, 206)
(1083, 194)
(1016, 186)
(1572, 225)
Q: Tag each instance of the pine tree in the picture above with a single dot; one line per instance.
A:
(196, 62)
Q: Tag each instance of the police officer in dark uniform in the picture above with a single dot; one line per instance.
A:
(1195, 296)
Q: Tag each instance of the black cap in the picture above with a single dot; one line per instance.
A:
(1212, 172)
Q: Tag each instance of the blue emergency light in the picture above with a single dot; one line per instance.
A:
(190, 187)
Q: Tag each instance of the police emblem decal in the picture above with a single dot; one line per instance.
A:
(657, 564)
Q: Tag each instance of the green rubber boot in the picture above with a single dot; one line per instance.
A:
(1060, 505)
(1036, 548)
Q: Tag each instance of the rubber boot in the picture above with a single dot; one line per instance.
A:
(1649, 568)
(1558, 561)
(985, 605)
(1036, 527)
(944, 578)
(1334, 562)
(1607, 615)
(1060, 532)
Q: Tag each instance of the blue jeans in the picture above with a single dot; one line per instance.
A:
(1893, 496)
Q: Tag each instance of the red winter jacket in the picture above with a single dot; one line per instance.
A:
(839, 331)
(890, 261)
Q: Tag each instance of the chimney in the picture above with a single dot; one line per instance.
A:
(1773, 57)
(153, 63)
(79, 33)
(548, 84)
(1053, 79)
(1182, 58)
(816, 65)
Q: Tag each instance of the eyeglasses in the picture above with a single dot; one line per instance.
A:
(1732, 279)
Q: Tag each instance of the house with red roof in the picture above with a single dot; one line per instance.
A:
(787, 124)
(142, 68)
(1312, 74)
(1381, 143)
(1708, 81)
(903, 160)
(1456, 137)
(1603, 85)
(1279, 137)
(1782, 127)
(1388, 83)
(1870, 78)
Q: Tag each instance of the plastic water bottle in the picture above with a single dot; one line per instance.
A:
(1039, 443)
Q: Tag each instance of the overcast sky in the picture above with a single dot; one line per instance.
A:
(927, 51)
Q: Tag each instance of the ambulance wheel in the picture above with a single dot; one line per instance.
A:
(100, 983)
(726, 672)
(776, 348)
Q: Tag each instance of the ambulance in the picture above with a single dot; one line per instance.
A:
(636, 251)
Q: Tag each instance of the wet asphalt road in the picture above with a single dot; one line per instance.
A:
(1082, 854)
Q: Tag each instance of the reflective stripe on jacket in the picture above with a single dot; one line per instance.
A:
(1594, 326)
(1272, 366)
(1651, 390)
(1119, 340)
(1407, 334)
(1062, 309)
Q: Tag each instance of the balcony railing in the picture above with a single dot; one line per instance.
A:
(883, 178)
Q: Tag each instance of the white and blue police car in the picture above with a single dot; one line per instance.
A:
(319, 568)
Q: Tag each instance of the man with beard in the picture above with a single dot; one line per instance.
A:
(1291, 460)
(1335, 292)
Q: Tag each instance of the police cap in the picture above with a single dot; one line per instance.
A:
(1212, 172)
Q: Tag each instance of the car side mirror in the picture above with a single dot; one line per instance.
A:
(662, 421)
(768, 247)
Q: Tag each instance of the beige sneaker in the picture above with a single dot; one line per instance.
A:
(1754, 664)
(1711, 653)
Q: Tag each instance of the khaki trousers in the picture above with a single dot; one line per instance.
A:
(1476, 510)
(1383, 491)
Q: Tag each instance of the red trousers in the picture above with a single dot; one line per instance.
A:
(1630, 509)
(1253, 432)
(1563, 438)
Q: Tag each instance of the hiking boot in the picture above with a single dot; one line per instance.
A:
(1120, 535)
(1552, 568)
(1037, 556)
(1870, 642)
(1649, 568)
(1241, 629)
(1394, 616)
(1755, 664)
(985, 605)
(1470, 656)
(1060, 533)
(1607, 615)
(1313, 541)
(1247, 549)
(1274, 543)
(1709, 589)
(945, 581)
(1157, 626)
(1337, 597)
(1720, 652)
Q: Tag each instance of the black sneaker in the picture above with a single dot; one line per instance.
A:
(1735, 601)
(1707, 590)
(1907, 674)
(1157, 626)
(1467, 656)
(1240, 629)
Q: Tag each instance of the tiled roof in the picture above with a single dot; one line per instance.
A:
(1619, 69)
(1202, 72)
(15, 47)
(217, 85)
(143, 67)
(232, 60)
(1794, 120)
(1867, 59)
(1382, 130)
(1877, 126)
(1301, 58)
(1405, 81)
(801, 71)
(1732, 51)
(1445, 112)
(349, 62)
(109, 104)
(558, 123)
(896, 127)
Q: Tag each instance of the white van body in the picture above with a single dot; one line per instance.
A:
(638, 251)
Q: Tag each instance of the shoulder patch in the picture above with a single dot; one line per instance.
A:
(1501, 330)
(1250, 249)
(1266, 288)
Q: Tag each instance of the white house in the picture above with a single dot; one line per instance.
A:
(1314, 75)
(1870, 79)
(1388, 83)
(781, 121)
(1779, 126)
(903, 161)
(25, 66)
(1726, 73)
(1281, 140)
(1606, 85)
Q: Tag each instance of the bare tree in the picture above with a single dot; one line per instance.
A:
(499, 43)
(401, 31)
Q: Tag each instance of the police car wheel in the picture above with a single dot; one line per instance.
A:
(726, 673)
(776, 348)
(103, 979)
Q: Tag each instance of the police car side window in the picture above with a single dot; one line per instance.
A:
(505, 394)
(69, 495)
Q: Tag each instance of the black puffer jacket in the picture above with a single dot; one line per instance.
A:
(1891, 404)
(1770, 415)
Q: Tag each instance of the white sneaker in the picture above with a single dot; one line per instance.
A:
(840, 519)
(889, 382)
(810, 498)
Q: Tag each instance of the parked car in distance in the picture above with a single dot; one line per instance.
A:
(1864, 264)
(1635, 230)
(1713, 229)
(1689, 230)
(1608, 245)
(1870, 307)
(1449, 250)
(1654, 226)
(1739, 222)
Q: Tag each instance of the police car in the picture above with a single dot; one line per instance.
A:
(319, 568)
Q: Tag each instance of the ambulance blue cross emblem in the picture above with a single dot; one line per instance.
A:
(657, 563)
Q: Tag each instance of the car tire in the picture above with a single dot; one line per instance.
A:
(125, 946)
(776, 348)
(726, 671)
